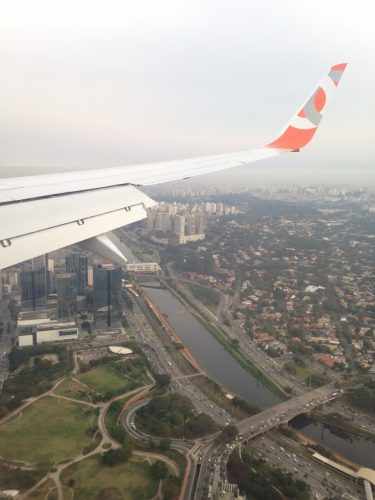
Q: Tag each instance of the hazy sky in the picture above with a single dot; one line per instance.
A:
(104, 83)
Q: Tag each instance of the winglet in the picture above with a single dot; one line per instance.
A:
(302, 127)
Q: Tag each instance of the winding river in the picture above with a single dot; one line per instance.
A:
(223, 368)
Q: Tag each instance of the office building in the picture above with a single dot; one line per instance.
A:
(107, 283)
(33, 287)
(77, 263)
(67, 290)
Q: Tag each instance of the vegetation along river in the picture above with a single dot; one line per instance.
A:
(222, 367)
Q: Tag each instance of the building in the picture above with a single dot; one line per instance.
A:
(33, 287)
(143, 267)
(67, 290)
(163, 222)
(26, 340)
(200, 223)
(37, 327)
(107, 283)
(77, 263)
(107, 280)
(56, 332)
(179, 228)
(27, 324)
(122, 351)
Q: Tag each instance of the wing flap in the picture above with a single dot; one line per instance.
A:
(32, 228)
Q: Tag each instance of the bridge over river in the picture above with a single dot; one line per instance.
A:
(283, 412)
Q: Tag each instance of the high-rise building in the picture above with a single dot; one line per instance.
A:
(163, 222)
(200, 223)
(107, 282)
(219, 208)
(67, 290)
(179, 227)
(77, 263)
(190, 224)
(33, 287)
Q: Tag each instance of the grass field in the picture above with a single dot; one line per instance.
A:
(73, 389)
(49, 431)
(103, 379)
(208, 296)
(108, 379)
(214, 392)
(18, 479)
(46, 491)
(91, 480)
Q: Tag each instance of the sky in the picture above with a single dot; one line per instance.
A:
(88, 84)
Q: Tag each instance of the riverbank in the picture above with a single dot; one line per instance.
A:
(222, 338)
(339, 423)
(223, 367)
(309, 442)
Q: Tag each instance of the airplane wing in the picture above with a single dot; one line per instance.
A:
(40, 214)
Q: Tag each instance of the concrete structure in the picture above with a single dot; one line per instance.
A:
(27, 326)
(283, 412)
(123, 351)
(143, 267)
(363, 474)
(26, 339)
(191, 238)
(55, 332)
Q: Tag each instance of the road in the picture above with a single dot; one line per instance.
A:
(213, 456)
(286, 454)
(162, 362)
(283, 412)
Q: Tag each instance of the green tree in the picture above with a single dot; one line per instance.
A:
(159, 470)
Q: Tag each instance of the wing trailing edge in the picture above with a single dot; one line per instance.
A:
(40, 214)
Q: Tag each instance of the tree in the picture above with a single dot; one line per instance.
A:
(235, 343)
(165, 444)
(114, 457)
(159, 471)
(162, 380)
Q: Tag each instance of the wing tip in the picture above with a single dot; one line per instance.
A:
(301, 129)
(339, 67)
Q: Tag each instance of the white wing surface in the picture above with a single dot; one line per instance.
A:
(40, 214)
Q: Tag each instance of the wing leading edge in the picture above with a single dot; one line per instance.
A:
(40, 214)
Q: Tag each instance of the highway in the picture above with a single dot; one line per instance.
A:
(162, 362)
(266, 365)
(283, 412)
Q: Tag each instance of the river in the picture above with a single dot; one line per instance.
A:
(223, 368)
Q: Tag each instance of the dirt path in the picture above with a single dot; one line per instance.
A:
(162, 458)
(30, 402)
(73, 400)
(102, 446)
